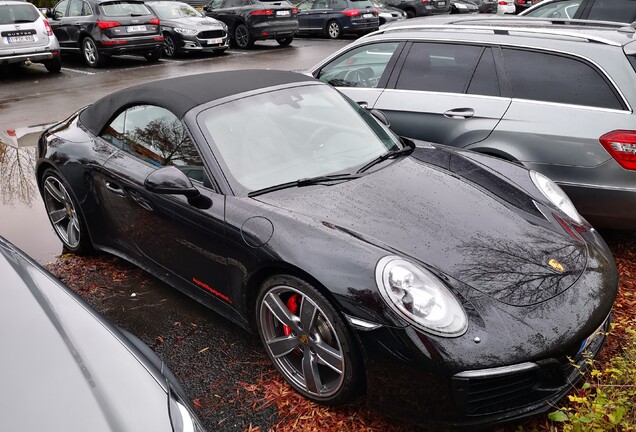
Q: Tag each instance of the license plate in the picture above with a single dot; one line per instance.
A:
(135, 29)
(17, 39)
(282, 13)
(214, 41)
(367, 15)
(441, 3)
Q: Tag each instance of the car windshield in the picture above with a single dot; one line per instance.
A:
(565, 9)
(174, 10)
(295, 133)
(361, 4)
(123, 8)
(15, 14)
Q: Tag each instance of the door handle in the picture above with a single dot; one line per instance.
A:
(114, 188)
(460, 113)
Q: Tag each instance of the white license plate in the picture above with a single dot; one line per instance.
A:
(17, 39)
(441, 3)
(214, 41)
(135, 29)
(282, 13)
(367, 15)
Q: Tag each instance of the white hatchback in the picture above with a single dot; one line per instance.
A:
(505, 7)
(26, 37)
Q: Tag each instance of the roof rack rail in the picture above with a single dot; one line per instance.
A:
(629, 28)
(505, 29)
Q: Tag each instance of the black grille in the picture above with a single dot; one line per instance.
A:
(211, 34)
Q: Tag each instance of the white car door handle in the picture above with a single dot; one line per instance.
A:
(460, 113)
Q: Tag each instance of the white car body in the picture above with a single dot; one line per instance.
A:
(506, 7)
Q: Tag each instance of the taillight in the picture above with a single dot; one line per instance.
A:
(351, 12)
(49, 32)
(107, 24)
(503, 3)
(426, 1)
(155, 21)
(621, 145)
(263, 12)
(294, 10)
(377, 11)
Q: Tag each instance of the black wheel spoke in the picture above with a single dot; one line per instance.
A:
(280, 311)
(328, 356)
(283, 345)
(308, 314)
(311, 373)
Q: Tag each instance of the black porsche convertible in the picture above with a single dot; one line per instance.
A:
(444, 285)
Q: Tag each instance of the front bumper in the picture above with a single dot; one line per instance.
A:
(606, 208)
(194, 44)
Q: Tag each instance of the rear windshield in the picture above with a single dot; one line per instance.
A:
(362, 4)
(124, 8)
(15, 14)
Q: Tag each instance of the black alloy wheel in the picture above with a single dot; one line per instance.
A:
(334, 30)
(284, 41)
(410, 13)
(64, 213)
(169, 46)
(242, 37)
(91, 55)
(54, 65)
(308, 341)
(153, 56)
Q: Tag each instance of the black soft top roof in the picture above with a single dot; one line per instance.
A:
(180, 95)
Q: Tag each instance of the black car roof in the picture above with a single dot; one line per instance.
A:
(179, 95)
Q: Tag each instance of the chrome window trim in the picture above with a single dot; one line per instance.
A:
(387, 90)
(498, 371)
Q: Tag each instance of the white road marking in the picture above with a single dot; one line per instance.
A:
(78, 71)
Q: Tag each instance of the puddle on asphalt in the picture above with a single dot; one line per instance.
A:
(23, 219)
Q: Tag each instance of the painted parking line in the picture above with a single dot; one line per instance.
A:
(78, 71)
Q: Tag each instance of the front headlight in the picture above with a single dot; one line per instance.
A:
(183, 419)
(555, 195)
(186, 31)
(420, 297)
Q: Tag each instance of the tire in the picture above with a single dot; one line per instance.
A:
(410, 13)
(153, 56)
(302, 356)
(54, 65)
(242, 37)
(92, 57)
(333, 30)
(170, 48)
(64, 213)
(284, 41)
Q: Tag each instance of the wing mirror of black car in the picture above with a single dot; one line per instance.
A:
(49, 14)
(172, 181)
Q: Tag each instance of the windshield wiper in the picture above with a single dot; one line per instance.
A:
(305, 182)
(387, 155)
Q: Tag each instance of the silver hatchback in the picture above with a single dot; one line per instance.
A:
(26, 37)
(556, 97)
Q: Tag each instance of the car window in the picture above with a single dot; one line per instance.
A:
(564, 9)
(554, 78)
(632, 60)
(123, 8)
(360, 4)
(320, 4)
(167, 10)
(484, 81)
(15, 14)
(311, 131)
(78, 8)
(613, 10)
(215, 4)
(306, 5)
(60, 9)
(155, 135)
(360, 67)
(438, 67)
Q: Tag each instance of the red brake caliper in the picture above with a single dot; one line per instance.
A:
(292, 305)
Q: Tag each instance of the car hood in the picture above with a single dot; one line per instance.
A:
(456, 217)
(199, 23)
(61, 368)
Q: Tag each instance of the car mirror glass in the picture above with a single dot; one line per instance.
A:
(170, 180)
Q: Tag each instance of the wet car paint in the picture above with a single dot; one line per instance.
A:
(345, 249)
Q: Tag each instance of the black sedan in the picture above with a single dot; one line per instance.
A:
(252, 20)
(65, 368)
(186, 29)
(444, 284)
(102, 28)
(334, 18)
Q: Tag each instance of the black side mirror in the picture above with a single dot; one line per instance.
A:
(49, 13)
(381, 117)
(170, 180)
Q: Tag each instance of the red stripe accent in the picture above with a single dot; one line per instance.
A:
(212, 290)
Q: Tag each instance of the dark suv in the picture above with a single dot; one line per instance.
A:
(333, 18)
(416, 8)
(101, 28)
(604, 10)
(251, 20)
